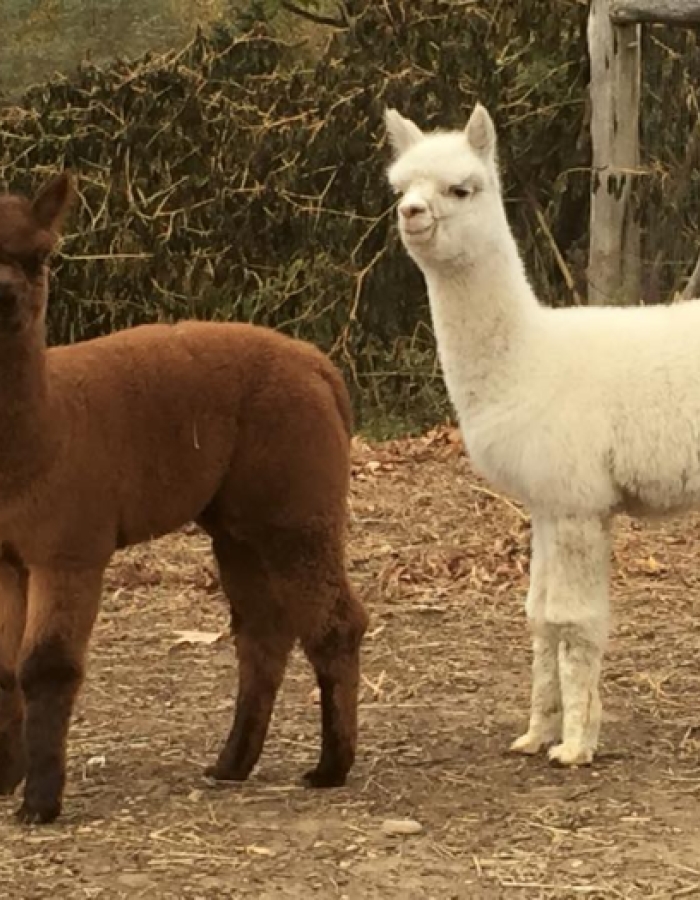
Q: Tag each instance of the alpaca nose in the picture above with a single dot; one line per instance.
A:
(412, 208)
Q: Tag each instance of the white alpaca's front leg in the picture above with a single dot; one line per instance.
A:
(578, 603)
(545, 704)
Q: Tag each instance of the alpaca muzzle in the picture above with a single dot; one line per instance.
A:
(415, 217)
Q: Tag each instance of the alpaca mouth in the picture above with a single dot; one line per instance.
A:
(419, 230)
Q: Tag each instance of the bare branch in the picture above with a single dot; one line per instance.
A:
(341, 22)
(692, 289)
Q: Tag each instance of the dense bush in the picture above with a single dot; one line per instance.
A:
(232, 180)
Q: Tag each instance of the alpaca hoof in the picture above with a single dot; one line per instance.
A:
(30, 814)
(320, 778)
(219, 773)
(571, 755)
(527, 744)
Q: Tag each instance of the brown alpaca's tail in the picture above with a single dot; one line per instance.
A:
(336, 382)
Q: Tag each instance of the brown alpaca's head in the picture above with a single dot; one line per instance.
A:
(28, 233)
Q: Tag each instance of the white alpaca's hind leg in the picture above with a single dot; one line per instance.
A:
(578, 603)
(579, 667)
(545, 704)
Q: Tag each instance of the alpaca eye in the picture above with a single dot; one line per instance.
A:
(459, 191)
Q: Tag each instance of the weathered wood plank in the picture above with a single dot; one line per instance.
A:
(670, 12)
(614, 267)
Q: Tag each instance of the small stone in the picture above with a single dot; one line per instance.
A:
(401, 826)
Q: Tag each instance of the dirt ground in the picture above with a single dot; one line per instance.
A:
(442, 565)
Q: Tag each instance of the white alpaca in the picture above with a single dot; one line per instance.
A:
(579, 413)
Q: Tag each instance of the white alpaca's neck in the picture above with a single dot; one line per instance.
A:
(482, 311)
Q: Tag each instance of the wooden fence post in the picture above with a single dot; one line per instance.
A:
(614, 265)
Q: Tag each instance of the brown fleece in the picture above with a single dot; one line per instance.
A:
(118, 440)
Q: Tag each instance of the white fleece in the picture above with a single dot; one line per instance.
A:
(578, 412)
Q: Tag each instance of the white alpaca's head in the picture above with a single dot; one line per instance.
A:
(451, 208)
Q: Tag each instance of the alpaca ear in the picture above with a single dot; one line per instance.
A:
(53, 201)
(403, 133)
(481, 134)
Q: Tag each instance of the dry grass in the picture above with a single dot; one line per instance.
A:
(442, 563)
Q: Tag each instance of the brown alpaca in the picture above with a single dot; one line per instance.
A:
(118, 440)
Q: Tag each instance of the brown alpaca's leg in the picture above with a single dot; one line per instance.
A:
(334, 652)
(309, 581)
(61, 612)
(13, 613)
(263, 643)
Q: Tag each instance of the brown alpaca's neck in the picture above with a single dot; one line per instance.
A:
(26, 433)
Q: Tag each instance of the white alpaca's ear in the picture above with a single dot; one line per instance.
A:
(481, 134)
(403, 133)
